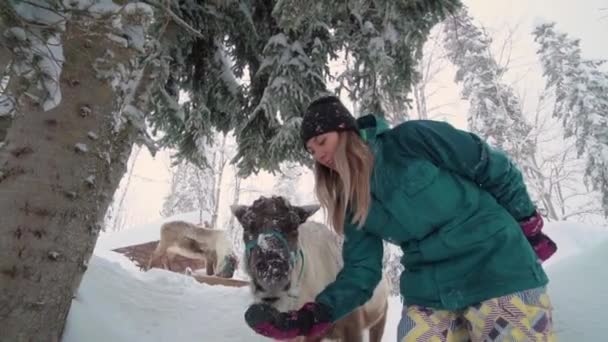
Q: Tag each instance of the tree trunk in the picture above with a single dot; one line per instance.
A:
(200, 194)
(119, 221)
(218, 183)
(420, 97)
(232, 225)
(544, 192)
(53, 195)
(209, 174)
(561, 199)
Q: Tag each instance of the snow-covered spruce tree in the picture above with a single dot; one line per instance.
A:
(253, 66)
(385, 52)
(581, 101)
(495, 111)
(185, 195)
(429, 101)
(287, 181)
(74, 77)
(195, 187)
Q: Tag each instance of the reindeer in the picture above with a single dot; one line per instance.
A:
(291, 260)
(194, 242)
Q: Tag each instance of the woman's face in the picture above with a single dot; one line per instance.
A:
(323, 147)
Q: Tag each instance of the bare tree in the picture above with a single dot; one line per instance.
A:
(117, 208)
(200, 187)
(235, 230)
(219, 168)
(560, 171)
(428, 102)
(581, 98)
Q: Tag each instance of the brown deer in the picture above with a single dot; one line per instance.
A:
(195, 242)
(291, 260)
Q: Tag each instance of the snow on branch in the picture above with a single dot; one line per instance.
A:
(40, 59)
(179, 21)
(7, 105)
(37, 42)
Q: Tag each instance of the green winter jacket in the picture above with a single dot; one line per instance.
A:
(451, 203)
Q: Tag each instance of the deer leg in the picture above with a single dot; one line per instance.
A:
(211, 262)
(353, 327)
(170, 259)
(151, 261)
(377, 330)
(156, 256)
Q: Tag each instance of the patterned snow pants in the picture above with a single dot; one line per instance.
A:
(522, 316)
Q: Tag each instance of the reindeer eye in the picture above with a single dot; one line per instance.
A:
(247, 236)
(258, 287)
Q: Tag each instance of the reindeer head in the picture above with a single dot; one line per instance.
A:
(270, 233)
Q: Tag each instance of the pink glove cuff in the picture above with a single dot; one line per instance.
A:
(533, 225)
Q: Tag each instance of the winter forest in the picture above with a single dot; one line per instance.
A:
(119, 115)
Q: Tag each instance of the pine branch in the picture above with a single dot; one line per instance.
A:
(165, 7)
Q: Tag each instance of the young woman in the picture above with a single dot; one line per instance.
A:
(470, 235)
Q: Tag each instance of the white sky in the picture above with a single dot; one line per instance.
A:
(582, 20)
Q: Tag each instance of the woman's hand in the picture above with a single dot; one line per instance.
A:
(543, 246)
(312, 320)
(532, 225)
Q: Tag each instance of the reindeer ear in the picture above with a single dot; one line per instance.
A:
(238, 211)
(306, 211)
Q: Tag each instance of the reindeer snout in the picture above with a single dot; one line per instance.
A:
(270, 300)
(271, 272)
(273, 267)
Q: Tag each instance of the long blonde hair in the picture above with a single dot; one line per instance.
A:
(348, 187)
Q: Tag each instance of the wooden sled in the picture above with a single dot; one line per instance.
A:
(213, 280)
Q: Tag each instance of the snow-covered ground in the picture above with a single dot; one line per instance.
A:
(579, 294)
(117, 302)
(125, 305)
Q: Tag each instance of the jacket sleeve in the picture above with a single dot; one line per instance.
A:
(355, 283)
(466, 154)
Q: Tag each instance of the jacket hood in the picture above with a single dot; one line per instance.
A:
(371, 126)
